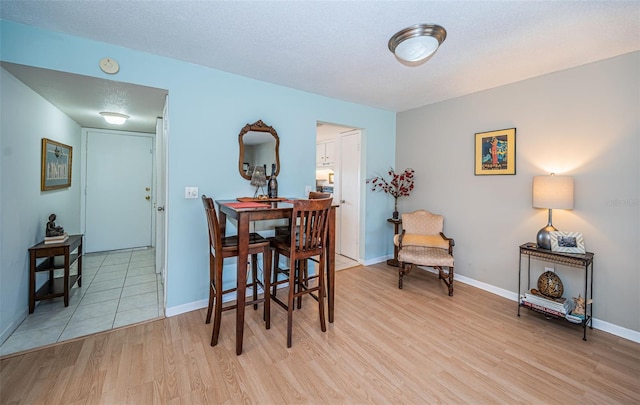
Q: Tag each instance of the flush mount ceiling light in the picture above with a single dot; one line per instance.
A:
(416, 44)
(114, 118)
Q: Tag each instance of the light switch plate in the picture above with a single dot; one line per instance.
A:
(191, 192)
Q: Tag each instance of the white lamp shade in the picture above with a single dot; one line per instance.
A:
(417, 48)
(553, 192)
(259, 177)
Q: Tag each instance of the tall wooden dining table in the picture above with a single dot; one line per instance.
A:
(245, 212)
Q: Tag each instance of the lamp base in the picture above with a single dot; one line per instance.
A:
(543, 239)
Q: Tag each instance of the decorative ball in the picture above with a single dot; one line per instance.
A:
(550, 284)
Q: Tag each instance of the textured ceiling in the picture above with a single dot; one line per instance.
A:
(339, 48)
(82, 98)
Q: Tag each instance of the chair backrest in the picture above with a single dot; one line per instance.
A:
(215, 235)
(317, 195)
(422, 222)
(312, 217)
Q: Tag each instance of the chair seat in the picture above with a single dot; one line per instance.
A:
(282, 230)
(426, 256)
(231, 242)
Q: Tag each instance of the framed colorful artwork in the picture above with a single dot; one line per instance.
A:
(56, 165)
(495, 152)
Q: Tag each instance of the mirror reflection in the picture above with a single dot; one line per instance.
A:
(259, 146)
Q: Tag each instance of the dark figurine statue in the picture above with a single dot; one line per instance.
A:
(52, 229)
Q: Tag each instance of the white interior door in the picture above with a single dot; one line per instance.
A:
(118, 190)
(349, 212)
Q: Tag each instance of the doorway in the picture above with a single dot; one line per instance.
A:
(340, 172)
(82, 98)
(349, 193)
(118, 189)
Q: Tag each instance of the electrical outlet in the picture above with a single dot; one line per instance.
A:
(191, 192)
(307, 190)
(549, 269)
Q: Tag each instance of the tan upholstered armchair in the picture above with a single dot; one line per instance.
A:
(422, 243)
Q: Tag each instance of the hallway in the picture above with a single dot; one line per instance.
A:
(118, 288)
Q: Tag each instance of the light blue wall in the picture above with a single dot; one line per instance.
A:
(207, 109)
(24, 209)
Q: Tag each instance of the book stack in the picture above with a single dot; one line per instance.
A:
(553, 306)
(48, 240)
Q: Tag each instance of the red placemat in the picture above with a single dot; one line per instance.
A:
(256, 199)
(247, 205)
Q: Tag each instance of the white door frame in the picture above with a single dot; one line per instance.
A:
(160, 198)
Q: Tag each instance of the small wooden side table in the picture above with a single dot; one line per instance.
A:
(56, 286)
(396, 230)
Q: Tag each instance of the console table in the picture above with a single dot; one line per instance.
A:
(396, 230)
(579, 260)
(55, 286)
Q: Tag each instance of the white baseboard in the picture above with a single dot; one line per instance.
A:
(196, 305)
(184, 308)
(616, 330)
(624, 333)
(13, 325)
(376, 260)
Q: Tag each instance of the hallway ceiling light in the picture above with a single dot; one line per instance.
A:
(114, 118)
(416, 44)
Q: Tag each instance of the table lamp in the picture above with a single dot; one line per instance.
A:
(551, 192)
(258, 179)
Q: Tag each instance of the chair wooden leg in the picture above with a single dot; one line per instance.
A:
(400, 274)
(301, 274)
(212, 288)
(210, 307)
(217, 315)
(323, 323)
(266, 260)
(446, 278)
(290, 302)
(275, 271)
(254, 279)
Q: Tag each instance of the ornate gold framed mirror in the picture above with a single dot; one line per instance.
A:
(259, 146)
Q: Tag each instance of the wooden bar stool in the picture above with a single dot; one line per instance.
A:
(307, 238)
(221, 248)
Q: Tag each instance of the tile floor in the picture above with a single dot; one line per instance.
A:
(118, 288)
(343, 262)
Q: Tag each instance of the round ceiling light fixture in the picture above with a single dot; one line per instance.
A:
(114, 118)
(416, 44)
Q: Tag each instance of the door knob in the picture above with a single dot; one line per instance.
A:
(160, 208)
(147, 198)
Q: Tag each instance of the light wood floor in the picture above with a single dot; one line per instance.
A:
(413, 346)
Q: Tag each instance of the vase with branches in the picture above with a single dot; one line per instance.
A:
(396, 184)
